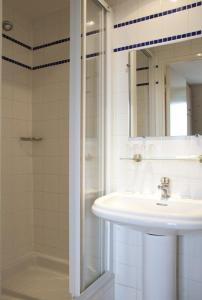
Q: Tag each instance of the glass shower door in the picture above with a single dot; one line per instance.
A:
(87, 141)
(92, 248)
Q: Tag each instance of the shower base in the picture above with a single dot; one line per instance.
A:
(36, 283)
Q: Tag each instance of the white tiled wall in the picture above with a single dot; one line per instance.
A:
(52, 27)
(50, 121)
(127, 176)
(17, 213)
(35, 175)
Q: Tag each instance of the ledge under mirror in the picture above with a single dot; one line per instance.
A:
(165, 88)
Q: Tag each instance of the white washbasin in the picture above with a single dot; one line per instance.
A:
(149, 214)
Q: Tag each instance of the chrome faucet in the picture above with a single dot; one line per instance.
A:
(164, 187)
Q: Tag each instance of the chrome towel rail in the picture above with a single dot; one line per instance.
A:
(139, 158)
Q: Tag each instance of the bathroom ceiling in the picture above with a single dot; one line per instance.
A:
(190, 70)
(38, 8)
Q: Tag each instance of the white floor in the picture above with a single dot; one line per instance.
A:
(37, 283)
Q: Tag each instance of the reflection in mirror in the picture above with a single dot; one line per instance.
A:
(166, 90)
(139, 92)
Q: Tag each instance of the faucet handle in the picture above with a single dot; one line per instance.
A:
(165, 180)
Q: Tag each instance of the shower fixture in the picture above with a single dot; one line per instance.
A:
(31, 139)
(7, 25)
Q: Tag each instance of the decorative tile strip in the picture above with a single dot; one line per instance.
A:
(160, 14)
(142, 69)
(65, 40)
(16, 62)
(16, 41)
(92, 55)
(60, 62)
(159, 41)
(142, 84)
(64, 61)
(56, 63)
(92, 32)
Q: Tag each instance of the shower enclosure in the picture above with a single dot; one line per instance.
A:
(34, 149)
(35, 142)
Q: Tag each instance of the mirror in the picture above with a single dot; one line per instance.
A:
(165, 88)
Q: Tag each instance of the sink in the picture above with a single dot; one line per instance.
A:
(160, 221)
(150, 214)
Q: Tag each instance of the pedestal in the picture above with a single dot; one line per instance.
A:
(159, 267)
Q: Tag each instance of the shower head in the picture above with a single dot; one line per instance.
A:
(7, 25)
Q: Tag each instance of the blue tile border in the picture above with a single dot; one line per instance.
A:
(158, 15)
(142, 84)
(65, 40)
(16, 62)
(142, 69)
(92, 32)
(64, 61)
(61, 41)
(36, 47)
(55, 63)
(16, 41)
(92, 55)
(160, 41)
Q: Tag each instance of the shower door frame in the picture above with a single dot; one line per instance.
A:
(77, 92)
(1, 17)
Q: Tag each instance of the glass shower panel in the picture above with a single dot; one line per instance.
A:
(92, 263)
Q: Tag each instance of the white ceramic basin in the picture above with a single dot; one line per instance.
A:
(149, 214)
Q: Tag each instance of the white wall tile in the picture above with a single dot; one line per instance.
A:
(50, 113)
(127, 176)
(17, 233)
(35, 103)
(124, 292)
(194, 20)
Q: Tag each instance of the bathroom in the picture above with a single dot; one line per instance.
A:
(74, 130)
